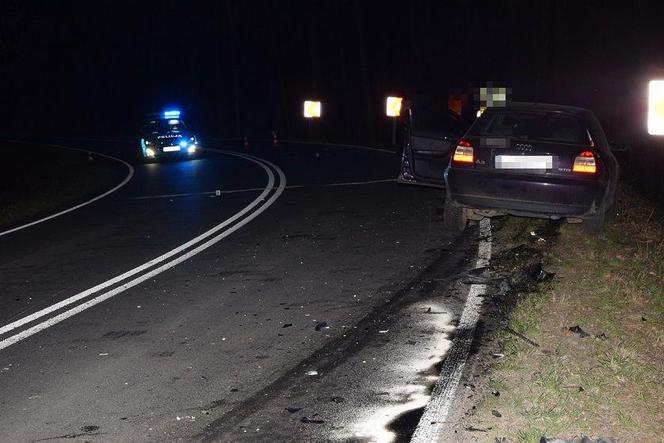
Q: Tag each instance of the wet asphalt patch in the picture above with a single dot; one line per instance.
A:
(346, 349)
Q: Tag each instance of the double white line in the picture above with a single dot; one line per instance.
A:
(275, 186)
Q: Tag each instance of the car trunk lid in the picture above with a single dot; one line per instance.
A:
(509, 155)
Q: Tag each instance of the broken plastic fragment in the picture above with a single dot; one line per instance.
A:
(580, 332)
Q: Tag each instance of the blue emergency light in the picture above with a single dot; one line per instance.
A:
(172, 114)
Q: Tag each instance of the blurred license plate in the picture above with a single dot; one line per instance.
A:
(524, 162)
(171, 148)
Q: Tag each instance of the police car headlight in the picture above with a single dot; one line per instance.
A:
(191, 149)
(149, 152)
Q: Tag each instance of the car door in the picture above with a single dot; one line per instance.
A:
(428, 144)
(425, 157)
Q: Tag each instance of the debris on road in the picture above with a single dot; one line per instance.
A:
(311, 420)
(287, 325)
(504, 287)
(312, 373)
(185, 417)
(496, 413)
(578, 331)
(321, 325)
(293, 409)
(536, 272)
(582, 439)
(474, 429)
(521, 336)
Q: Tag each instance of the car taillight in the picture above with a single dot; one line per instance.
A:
(585, 162)
(463, 152)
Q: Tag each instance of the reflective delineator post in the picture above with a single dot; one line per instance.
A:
(246, 142)
(275, 140)
(393, 109)
(656, 107)
(312, 111)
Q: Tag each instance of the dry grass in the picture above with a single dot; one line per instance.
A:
(39, 180)
(611, 285)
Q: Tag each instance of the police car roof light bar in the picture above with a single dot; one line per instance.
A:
(172, 114)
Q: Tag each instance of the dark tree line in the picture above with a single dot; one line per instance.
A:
(244, 67)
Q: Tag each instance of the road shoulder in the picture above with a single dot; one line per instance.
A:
(575, 349)
(39, 180)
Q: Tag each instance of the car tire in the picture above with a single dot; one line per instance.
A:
(595, 224)
(454, 217)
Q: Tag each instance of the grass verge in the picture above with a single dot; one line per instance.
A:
(608, 383)
(36, 181)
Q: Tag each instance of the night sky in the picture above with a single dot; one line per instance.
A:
(244, 67)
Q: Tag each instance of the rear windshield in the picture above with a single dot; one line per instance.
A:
(526, 125)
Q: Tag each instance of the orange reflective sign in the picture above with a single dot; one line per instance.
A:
(393, 106)
(312, 109)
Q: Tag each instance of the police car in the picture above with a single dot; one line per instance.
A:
(166, 135)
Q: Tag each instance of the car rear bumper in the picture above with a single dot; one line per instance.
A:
(541, 196)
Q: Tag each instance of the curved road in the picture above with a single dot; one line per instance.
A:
(306, 317)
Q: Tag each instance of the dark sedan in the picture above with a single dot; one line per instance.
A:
(534, 160)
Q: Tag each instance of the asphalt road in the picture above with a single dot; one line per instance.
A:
(320, 313)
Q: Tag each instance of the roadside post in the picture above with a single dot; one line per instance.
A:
(393, 110)
(656, 107)
(312, 111)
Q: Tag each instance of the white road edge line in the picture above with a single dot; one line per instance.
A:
(330, 185)
(73, 208)
(436, 411)
(73, 299)
(196, 194)
(235, 191)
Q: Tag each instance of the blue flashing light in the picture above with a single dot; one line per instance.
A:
(174, 113)
(183, 143)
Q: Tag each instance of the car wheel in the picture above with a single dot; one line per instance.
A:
(595, 223)
(454, 217)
